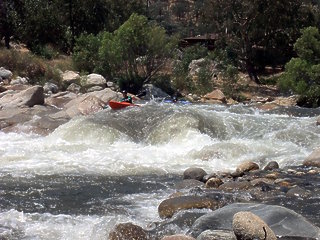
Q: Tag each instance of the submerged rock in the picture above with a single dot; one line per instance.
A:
(282, 221)
(248, 226)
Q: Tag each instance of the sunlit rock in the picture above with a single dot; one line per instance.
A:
(170, 206)
(248, 226)
(128, 231)
(313, 160)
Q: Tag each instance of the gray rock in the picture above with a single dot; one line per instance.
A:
(271, 166)
(5, 74)
(217, 235)
(194, 173)
(29, 97)
(153, 92)
(50, 88)
(298, 192)
(214, 183)
(95, 88)
(282, 221)
(19, 80)
(248, 226)
(313, 160)
(75, 88)
(92, 80)
(69, 77)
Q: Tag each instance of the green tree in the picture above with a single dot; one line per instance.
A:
(302, 74)
(136, 51)
(258, 26)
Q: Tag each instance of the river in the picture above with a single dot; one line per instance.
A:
(117, 166)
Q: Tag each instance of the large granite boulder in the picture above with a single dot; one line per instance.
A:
(216, 96)
(93, 80)
(29, 97)
(313, 160)
(248, 226)
(281, 220)
(69, 77)
(81, 105)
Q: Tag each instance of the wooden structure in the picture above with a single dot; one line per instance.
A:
(207, 40)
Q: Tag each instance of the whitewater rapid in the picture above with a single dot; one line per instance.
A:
(143, 145)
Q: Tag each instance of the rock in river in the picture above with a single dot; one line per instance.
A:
(282, 221)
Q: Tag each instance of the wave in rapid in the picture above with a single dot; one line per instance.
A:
(162, 138)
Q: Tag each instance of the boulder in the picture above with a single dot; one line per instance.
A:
(214, 183)
(76, 106)
(152, 92)
(19, 80)
(50, 88)
(29, 97)
(170, 206)
(271, 166)
(128, 231)
(248, 226)
(95, 88)
(318, 121)
(91, 105)
(194, 173)
(282, 221)
(75, 88)
(60, 99)
(5, 74)
(216, 95)
(69, 77)
(313, 160)
(217, 235)
(93, 80)
(178, 237)
(247, 167)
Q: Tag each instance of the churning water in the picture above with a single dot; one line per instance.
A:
(117, 166)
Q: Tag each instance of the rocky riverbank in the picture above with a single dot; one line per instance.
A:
(250, 203)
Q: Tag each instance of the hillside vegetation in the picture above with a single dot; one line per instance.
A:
(137, 42)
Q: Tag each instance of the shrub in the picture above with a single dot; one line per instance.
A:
(302, 74)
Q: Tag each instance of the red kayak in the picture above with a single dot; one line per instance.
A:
(119, 105)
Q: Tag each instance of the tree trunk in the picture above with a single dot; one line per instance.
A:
(252, 72)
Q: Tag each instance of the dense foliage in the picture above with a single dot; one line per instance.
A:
(302, 75)
(102, 36)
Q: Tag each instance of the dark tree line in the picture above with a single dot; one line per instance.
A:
(256, 32)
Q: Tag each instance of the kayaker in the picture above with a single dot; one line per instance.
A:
(126, 98)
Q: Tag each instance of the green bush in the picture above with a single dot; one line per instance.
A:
(85, 55)
(302, 74)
